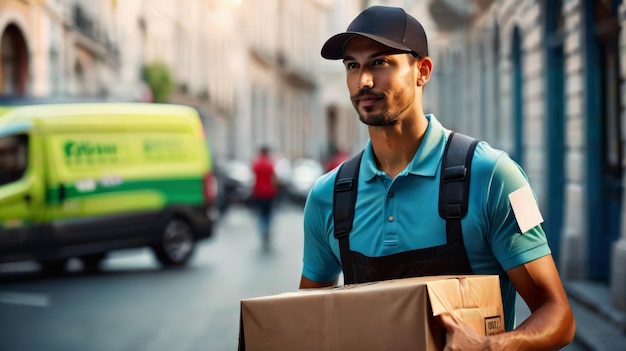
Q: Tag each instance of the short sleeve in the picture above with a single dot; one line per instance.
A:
(511, 247)
(319, 262)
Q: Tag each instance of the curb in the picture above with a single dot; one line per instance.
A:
(599, 326)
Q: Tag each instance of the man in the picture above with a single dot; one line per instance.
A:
(385, 55)
(264, 192)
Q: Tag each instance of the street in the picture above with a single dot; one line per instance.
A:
(134, 305)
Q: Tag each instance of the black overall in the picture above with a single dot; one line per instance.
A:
(450, 258)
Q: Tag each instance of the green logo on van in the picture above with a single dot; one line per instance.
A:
(79, 152)
(159, 150)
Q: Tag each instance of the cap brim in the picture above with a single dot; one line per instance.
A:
(333, 48)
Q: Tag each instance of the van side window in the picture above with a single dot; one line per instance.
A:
(13, 156)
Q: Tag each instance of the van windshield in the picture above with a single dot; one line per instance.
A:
(13, 156)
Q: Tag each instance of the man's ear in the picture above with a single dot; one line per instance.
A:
(424, 69)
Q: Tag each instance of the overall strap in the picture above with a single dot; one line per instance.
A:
(454, 184)
(344, 200)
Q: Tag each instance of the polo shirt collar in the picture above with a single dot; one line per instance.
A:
(426, 160)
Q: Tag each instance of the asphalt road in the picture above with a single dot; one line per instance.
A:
(134, 305)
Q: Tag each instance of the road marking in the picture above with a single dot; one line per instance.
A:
(26, 299)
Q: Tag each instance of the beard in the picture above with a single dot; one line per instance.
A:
(391, 105)
(385, 116)
(380, 119)
(366, 114)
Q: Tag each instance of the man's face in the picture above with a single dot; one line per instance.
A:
(381, 82)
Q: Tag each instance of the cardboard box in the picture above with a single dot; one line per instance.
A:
(388, 315)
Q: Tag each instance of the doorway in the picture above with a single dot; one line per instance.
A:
(13, 62)
(555, 124)
(603, 134)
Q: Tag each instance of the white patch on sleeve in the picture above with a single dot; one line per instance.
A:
(525, 208)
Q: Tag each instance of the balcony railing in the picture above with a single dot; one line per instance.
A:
(451, 14)
(92, 30)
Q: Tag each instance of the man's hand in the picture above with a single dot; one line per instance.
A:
(461, 336)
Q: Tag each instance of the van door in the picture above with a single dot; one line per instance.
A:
(20, 198)
(93, 205)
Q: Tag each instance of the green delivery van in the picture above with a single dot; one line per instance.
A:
(80, 180)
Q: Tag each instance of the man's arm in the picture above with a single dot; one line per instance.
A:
(306, 283)
(551, 323)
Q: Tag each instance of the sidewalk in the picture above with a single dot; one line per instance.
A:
(599, 326)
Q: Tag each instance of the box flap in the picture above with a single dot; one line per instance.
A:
(474, 299)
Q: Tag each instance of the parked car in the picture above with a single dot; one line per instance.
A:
(80, 180)
(235, 181)
(304, 173)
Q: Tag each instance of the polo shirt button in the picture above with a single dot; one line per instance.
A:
(390, 218)
(390, 194)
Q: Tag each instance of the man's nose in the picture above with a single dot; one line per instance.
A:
(365, 79)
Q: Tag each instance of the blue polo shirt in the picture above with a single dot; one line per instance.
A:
(401, 214)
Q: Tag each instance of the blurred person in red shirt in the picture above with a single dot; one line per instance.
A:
(337, 158)
(264, 192)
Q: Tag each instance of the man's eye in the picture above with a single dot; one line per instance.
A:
(379, 62)
(350, 65)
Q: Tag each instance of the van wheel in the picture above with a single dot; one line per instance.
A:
(176, 243)
(53, 267)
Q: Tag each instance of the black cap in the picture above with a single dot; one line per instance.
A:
(390, 26)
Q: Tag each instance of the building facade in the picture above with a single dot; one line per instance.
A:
(544, 80)
(282, 89)
(247, 66)
(57, 47)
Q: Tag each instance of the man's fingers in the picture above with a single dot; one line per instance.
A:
(448, 320)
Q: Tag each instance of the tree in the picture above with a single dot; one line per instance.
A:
(159, 78)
